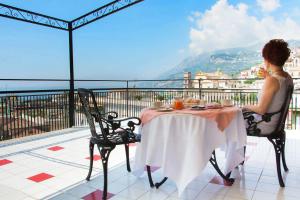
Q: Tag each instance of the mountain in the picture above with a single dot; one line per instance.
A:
(230, 61)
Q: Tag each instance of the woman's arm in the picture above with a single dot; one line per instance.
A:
(270, 87)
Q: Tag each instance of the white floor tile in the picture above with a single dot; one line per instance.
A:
(132, 193)
(80, 191)
(154, 195)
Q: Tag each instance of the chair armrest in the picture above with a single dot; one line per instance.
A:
(249, 116)
(248, 113)
(132, 122)
(252, 128)
(138, 120)
(111, 114)
(265, 117)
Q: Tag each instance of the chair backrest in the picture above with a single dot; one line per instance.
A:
(91, 111)
(284, 110)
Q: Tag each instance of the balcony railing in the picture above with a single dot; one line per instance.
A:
(29, 112)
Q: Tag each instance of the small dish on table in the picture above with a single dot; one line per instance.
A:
(198, 107)
(153, 108)
(213, 105)
(227, 103)
(165, 109)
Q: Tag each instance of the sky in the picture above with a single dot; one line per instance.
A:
(140, 42)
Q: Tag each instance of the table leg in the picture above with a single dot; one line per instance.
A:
(213, 161)
(158, 184)
(149, 176)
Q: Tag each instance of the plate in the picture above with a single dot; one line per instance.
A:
(197, 107)
(165, 109)
(230, 105)
(213, 107)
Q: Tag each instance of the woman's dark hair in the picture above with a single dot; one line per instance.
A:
(276, 52)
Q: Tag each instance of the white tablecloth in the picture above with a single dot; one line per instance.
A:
(182, 145)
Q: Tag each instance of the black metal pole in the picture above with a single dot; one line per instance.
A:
(127, 98)
(200, 90)
(71, 93)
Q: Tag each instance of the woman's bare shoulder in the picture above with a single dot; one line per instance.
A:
(272, 83)
(271, 79)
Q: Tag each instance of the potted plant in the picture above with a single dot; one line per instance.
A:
(158, 103)
(138, 98)
(160, 97)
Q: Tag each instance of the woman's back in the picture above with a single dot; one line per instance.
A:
(284, 81)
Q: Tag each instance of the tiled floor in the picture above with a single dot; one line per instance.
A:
(55, 167)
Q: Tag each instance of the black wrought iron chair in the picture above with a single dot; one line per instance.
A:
(276, 137)
(109, 133)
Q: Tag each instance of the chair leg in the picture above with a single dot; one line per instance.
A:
(127, 157)
(277, 143)
(283, 154)
(91, 149)
(104, 157)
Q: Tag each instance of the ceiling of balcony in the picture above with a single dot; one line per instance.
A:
(67, 9)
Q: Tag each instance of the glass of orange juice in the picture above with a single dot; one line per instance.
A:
(261, 73)
(178, 104)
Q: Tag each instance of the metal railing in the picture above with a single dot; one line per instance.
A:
(130, 102)
(28, 112)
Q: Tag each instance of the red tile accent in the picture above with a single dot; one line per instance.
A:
(55, 148)
(96, 157)
(40, 177)
(96, 195)
(220, 181)
(153, 169)
(5, 162)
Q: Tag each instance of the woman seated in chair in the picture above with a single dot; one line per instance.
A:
(272, 95)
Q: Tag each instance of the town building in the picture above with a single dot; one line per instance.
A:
(187, 83)
(216, 79)
(292, 66)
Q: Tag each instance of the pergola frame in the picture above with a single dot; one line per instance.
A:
(11, 12)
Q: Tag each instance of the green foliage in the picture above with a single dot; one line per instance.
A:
(138, 97)
(244, 99)
(249, 82)
(160, 97)
(253, 96)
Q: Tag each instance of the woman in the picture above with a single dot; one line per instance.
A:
(272, 95)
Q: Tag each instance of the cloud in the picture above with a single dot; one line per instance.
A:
(228, 26)
(268, 5)
(181, 51)
(193, 16)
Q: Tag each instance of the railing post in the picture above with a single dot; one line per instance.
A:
(200, 90)
(241, 99)
(127, 98)
(71, 93)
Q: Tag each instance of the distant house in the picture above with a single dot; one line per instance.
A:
(250, 73)
(216, 79)
(187, 83)
(293, 64)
